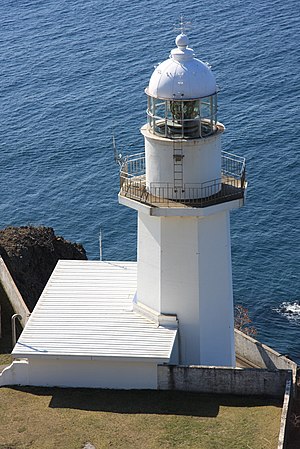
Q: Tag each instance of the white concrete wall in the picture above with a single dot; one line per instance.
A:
(215, 291)
(15, 374)
(184, 268)
(201, 161)
(149, 261)
(50, 372)
(179, 282)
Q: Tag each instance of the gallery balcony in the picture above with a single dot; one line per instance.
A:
(230, 186)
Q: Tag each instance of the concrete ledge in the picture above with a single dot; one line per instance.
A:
(169, 321)
(13, 293)
(15, 374)
(186, 211)
(218, 380)
(285, 414)
(262, 356)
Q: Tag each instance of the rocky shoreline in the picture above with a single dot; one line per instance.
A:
(31, 253)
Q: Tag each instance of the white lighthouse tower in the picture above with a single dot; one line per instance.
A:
(183, 188)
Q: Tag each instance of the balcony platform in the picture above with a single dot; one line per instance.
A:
(230, 189)
(231, 186)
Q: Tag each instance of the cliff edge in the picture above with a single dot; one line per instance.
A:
(31, 254)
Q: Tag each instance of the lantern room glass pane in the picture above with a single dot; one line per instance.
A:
(205, 111)
(187, 119)
(159, 116)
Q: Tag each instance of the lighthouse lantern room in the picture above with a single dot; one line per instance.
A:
(183, 187)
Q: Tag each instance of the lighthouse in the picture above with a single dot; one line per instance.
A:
(183, 186)
(125, 324)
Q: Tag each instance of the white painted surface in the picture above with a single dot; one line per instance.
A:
(201, 162)
(92, 374)
(181, 210)
(180, 283)
(15, 374)
(149, 261)
(51, 372)
(192, 278)
(86, 312)
(182, 76)
(215, 291)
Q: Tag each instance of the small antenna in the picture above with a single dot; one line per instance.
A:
(183, 25)
(117, 156)
(100, 244)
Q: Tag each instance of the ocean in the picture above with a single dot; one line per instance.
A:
(73, 74)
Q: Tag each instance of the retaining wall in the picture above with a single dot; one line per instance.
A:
(285, 415)
(260, 355)
(13, 293)
(217, 380)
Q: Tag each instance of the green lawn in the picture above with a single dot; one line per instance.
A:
(49, 418)
(52, 418)
(5, 359)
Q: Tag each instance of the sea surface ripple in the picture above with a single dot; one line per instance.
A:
(73, 73)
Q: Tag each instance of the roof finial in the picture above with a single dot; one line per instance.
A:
(183, 25)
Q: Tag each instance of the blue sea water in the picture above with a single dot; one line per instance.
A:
(73, 72)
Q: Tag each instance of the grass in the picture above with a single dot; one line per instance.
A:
(5, 359)
(48, 418)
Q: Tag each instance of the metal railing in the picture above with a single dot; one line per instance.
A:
(230, 186)
(13, 328)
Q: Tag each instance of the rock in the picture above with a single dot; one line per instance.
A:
(31, 254)
(88, 445)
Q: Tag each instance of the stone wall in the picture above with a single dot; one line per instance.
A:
(216, 380)
(260, 355)
(285, 416)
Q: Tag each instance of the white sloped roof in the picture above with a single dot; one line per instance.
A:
(85, 311)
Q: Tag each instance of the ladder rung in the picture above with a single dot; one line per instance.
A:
(178, 168)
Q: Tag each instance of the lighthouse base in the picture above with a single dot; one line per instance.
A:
(184, 269)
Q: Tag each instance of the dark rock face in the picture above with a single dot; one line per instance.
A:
(31, 254)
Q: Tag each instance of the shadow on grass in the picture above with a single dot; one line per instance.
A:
(144, 401)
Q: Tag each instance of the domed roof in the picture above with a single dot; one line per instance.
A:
(182, 75)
